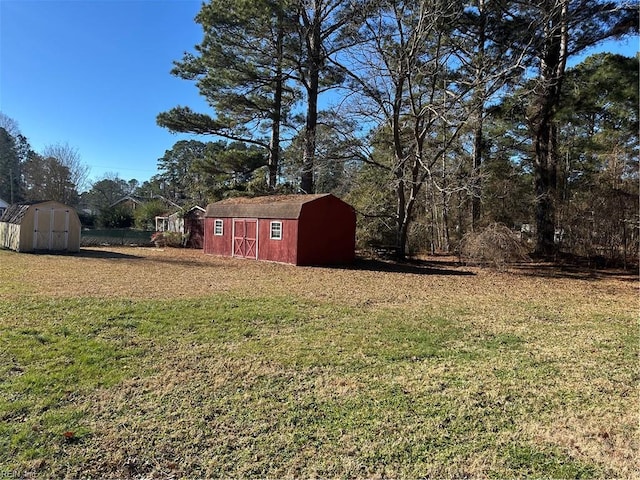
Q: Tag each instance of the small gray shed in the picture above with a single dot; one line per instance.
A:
(40, 226)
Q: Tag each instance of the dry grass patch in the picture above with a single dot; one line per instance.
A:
(171, 363)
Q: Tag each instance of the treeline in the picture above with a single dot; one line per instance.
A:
(26, 175)
(434, 118)
(58, 173)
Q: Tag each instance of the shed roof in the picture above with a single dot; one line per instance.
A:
(15, 212)
(272, 206)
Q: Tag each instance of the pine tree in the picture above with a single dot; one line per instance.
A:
(240, 68)
(554, 31)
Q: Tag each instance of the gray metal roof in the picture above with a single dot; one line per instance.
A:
(15, 212)
(273, 206)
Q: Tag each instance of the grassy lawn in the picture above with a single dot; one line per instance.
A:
(143, 362)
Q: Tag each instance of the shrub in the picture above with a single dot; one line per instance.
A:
(119, 216)
(168, 239)
(145, 215)
(496, 245)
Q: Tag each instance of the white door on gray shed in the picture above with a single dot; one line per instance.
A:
(51, 229)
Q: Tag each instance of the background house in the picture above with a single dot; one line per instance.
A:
(170, 222)
(189, 223)
(146, 213)
(128, 201)
(296, 229)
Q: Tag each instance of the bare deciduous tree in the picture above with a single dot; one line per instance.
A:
(69, 157)
(403, 86)
(9, 124)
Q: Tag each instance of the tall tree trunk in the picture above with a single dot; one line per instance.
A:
(314, 51)
(402, 236)
(476, 200)
(274, 143)
(478, 106)
(311, 122)
(431, 200)
(545, 183)
(552, 68)
(444, 198)
(401, 232)
(399, 170)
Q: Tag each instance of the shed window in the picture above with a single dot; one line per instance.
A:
(217, 227)
(276, 230)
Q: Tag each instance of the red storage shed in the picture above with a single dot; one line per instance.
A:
(297, 229)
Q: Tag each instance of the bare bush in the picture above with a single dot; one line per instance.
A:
(496, 245)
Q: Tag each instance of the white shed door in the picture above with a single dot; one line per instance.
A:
(50, 229)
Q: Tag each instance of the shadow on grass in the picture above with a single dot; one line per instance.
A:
(108, 254)
(578, 272)
(446, 265)
(416, 267)
(566, 265)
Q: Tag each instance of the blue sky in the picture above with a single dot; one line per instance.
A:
(95, 73)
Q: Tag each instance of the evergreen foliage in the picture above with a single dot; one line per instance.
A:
(443, 118)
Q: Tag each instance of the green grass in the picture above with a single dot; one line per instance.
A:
(272, 387)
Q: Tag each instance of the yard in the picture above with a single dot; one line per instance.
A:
(141, 362)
